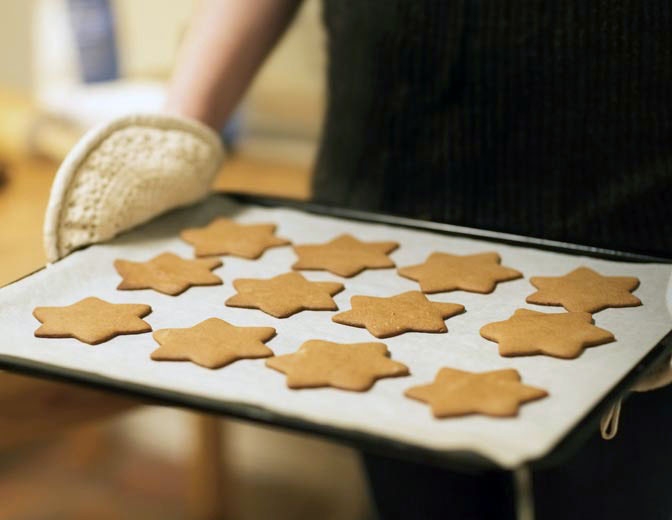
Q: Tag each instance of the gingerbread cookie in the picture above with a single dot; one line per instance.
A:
(212, 343)
(456, 393)
(407, 312)
(584, 290)
(224, 236)
(563, 335)
(92, 320)
(167, 273)
(284, 295)
(345, 256)
(351, 366)
(443, 272)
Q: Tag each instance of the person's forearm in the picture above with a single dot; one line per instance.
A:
(226, 43)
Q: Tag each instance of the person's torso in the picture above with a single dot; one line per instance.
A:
(544, 118)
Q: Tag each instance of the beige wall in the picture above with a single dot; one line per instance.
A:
(149, 32)
(284, 107)
(15, 48)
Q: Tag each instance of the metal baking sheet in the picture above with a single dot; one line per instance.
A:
(381, 416)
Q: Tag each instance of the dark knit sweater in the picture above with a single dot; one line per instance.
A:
(545, 118)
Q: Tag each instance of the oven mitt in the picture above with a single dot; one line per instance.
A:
(126, 172)
(658, 376)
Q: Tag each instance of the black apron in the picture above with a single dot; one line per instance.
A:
(543, 118)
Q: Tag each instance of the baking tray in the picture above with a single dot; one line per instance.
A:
(464, 460)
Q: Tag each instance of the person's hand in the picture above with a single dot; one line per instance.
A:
(126, 172)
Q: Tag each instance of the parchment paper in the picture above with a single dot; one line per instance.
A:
(574, 385)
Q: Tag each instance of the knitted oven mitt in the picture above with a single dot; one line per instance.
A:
(126, 172)
(658, 376)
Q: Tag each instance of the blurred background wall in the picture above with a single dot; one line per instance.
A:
(280, 117)
(15, 44)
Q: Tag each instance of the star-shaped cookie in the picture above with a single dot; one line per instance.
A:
(349, 366)
(92, 320)
(563, 335)
(407, 312)
(345, 256)
(224, 236)
(167, 273)
(584, 290)
(455, 393)
(443, 272)
(284, 295)
(212, 343)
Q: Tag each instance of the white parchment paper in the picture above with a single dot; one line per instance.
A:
(574, 385)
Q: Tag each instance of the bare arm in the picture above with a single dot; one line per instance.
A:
(226, 43)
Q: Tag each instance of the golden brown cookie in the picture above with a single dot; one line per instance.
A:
(443, 272)
(349, 366)
(563, 335)
(92, 320)
(407, 312)
(584, 290)
(284, 295)
(167, 273)
(212, 343)
(345, 256)
(224, 236)
(456, 392)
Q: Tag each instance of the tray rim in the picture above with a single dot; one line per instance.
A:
(457, 460)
